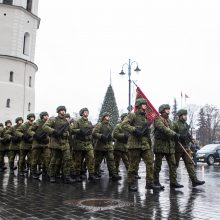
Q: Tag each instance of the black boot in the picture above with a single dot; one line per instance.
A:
(116, 177)
(175, 185)
(52, 179)
(197, 183)
(68, 180)
(153, 186)
(158, 184)
(35, 176)
(132, 188)
(93, 177)
(137, 177)
(78, 178)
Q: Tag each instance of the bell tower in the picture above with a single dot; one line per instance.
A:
(19, 23)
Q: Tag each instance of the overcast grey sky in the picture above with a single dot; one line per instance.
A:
(176, 44)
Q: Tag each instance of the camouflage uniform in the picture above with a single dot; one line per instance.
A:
(4, 145)
(26, 145)
(14, 148)
(181, 127)
(164, 146)
(59, 144)
(82, 129)
(120, 146)
(103, 146)
(138, 146)
(40, 149)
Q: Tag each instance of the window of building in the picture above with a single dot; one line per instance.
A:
(8, 2)
(8, 103)
(26, 45)
(30, 79)
(11, 77)
(29, 5)
(29, 106)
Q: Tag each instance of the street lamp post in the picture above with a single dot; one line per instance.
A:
(129, 64)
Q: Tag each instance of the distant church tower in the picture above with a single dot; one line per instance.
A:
(18, 26)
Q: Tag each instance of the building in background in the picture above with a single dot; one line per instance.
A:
(18, 26)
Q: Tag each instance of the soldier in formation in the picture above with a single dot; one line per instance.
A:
(183, 147)
(59, 145)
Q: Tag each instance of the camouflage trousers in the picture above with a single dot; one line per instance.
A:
(118, 155)
(188, 163)
(2, 155)
(23, 163)
(135, 156)
(40, 155)
(63, 156)
(88, 155)
(12, 155)
(99, 156)
(170, 158)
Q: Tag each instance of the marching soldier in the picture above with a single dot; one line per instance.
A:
(72, 144)
(4, 145)
(26, 144)
(181, 127)
(58, 129)
(40, 150)
(139, 145)
(120, 145)
(82, 129)
(164, 145)
(103, 146)
(14, 148)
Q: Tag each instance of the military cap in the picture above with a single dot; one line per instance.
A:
(30, 116)
(67, 115)
(123, 115)
(105, 114)
(140, 102)
(163, 107)
(60, 108)
(42, 114)
(1, 125)
(182, 112)
(18, 119)
(83, 110)
(8, 121)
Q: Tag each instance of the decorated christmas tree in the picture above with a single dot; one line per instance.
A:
(109, 105)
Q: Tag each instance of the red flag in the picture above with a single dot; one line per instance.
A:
(152, 114)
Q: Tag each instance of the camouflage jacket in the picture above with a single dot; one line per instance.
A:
(83, 141)
(6, 139)
(50, 126)
(27, 137)
(120, 140)
(163, 136)
(182, 128)
(102, 128)
(15, 140)
(41, 138)
(137, 121)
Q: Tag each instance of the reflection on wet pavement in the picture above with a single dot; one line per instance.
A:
(25, 198)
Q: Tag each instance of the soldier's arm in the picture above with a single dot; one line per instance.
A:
(126, 124)
(19, 132)
(32, 129)
(117, 132)
(165, 130)
(74, 129)
(47, 127)
(7, 134)
(96, 131)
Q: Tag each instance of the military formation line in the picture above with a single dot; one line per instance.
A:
(60, 147)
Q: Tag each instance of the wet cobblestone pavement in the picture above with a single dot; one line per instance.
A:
(24, 198)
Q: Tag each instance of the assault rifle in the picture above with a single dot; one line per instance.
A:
(62, 129)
